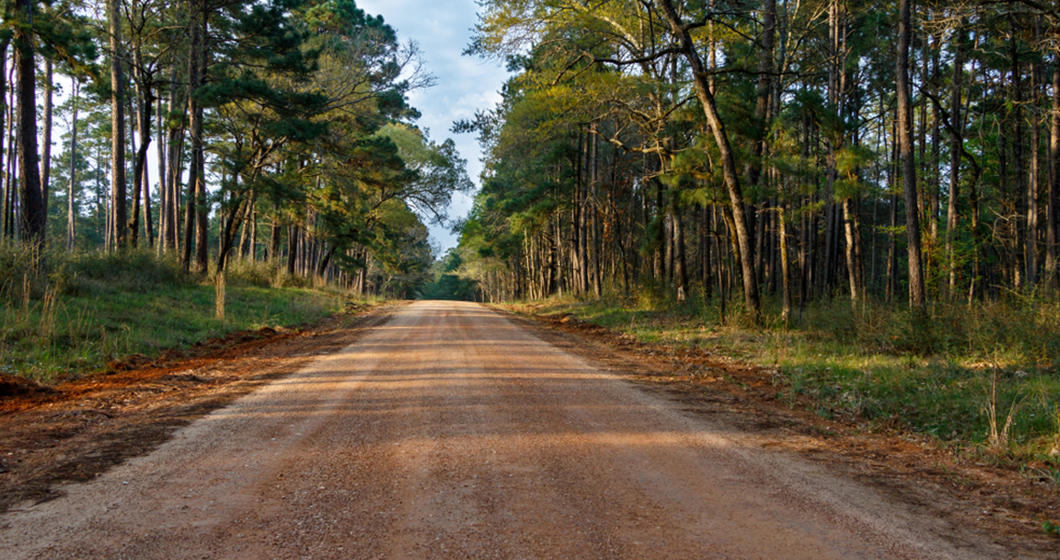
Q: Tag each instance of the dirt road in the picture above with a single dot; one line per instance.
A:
(451, 432)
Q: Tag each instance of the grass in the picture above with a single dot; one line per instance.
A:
(87, 310)
(982, 380)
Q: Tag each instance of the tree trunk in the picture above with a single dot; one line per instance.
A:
(850, 227)
(763, 90)
(137, 192)
(917, 293)
(785, 274)
(197, 147)
(174, 163)
(293, 234)
(32, 217)
(228, 226)
(833, 141)
(46, 140)
(144, 104)
(6, 205)
(728, 159)
(680, 272)
(117, 124)
(704, 250)
(935, 177)
(252, 247)
(1031, 259)
(189, 216)
(163, 185)
(1015, 232)
(594, 214)
(244, 231)
(275, 234)
(70, 222)
(194, 233)
(1052, 223)
(956, 143)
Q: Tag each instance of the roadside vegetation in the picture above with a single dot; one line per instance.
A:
(981, 380)
(93, 310)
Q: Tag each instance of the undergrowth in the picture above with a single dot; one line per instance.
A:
(76, 313)
(982, 380)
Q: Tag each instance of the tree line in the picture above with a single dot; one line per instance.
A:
(809, 149)
(281, 132)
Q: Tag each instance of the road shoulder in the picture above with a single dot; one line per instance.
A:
(76, 431)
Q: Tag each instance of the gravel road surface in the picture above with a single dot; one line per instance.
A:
(451, 432)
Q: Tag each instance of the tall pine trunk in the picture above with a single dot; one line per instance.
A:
(1031, 258)
(174, 161)
(1013, 230)
(728, 159)
(32, 200)
(46, 138)
(194, 234)
(850, 230)
(117, 124)
(956, 142)
(917, 293)
(199, 159)
(143, 104)
(70, 222)
(1052, 233)
(785, 273)
(163, 185)
(7, 204)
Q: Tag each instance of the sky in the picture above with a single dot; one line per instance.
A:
(464, 84)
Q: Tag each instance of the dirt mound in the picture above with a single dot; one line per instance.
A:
(128, 363)
(239, 337)
(569, 322)
(11, 386)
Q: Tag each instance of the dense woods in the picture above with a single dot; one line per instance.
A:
(799, 151)
(214, 131)
(903, 152)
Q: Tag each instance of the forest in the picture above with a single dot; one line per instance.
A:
(216, 131)
(856, 202)
(789, 151)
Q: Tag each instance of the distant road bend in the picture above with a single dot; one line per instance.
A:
(451, 432)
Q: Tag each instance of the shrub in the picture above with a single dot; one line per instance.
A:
(135, 270)
(245, 272)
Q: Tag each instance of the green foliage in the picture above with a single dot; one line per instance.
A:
(263, 274)
(1021, 330)
(446, 283)
(1051, 528)
(970, 365)
(88, 310)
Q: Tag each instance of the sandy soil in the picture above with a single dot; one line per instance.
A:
(451, 431)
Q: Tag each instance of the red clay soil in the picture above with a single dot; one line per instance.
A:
(72, 432)
(994, 499)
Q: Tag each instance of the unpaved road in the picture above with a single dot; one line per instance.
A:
(451, 432)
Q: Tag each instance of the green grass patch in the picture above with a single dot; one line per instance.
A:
(84, 311)
(981, 379)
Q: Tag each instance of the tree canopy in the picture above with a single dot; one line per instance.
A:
(809, 149)
(282, 132)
